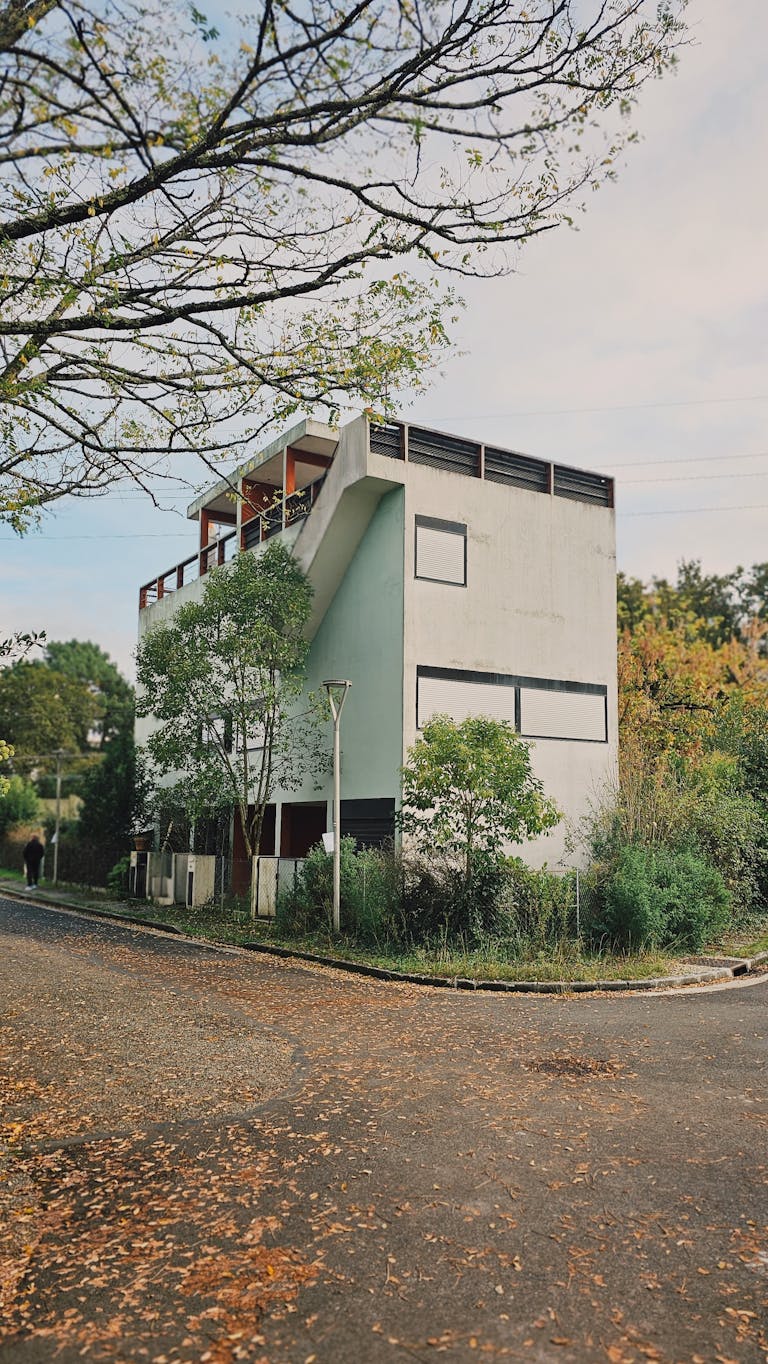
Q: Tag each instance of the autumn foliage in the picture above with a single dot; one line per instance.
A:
(693, 702)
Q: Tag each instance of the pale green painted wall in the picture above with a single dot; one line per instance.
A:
(361, 638)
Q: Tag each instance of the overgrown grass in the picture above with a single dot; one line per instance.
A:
(495, 961)
(745, 943)
(11, 874)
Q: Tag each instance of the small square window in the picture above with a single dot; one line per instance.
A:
(441, 551)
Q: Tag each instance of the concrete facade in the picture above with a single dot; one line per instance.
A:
(531, 630)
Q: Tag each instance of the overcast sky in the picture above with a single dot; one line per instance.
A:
(636, 345)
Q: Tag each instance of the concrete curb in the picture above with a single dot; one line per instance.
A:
(708, 970)
(739, 966)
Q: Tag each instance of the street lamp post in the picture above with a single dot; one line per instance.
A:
(60, 756)
(337, 695)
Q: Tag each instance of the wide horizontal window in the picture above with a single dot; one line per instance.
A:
(537, 707)
(441, 551)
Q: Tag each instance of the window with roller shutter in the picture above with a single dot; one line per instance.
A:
(441, 551)
(562, 713)
(538, 708)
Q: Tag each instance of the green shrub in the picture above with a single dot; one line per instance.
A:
(18, 805)
(117, 878)
(369, 894)
(660, 897)
(386, 897)
(704, 806)
(538, 908)
(439, 904)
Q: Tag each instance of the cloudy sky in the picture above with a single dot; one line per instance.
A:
(636, 345)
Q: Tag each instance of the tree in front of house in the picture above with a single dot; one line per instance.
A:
(469, 790)
(223, 681)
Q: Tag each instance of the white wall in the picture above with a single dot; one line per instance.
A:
(540, 601)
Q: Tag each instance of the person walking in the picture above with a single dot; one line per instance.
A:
(33, 856)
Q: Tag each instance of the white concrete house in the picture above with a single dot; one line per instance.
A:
(449, 576)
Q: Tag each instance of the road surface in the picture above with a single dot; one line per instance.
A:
(215, 1156)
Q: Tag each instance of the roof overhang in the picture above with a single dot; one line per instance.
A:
(311, 436)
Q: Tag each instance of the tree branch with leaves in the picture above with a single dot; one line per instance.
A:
(205, 233)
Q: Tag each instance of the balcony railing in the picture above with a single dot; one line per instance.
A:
(298, 505)
(217, 552)
(270, 522)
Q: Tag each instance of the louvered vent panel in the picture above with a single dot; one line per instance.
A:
(447, 696)
(387, 439)
(452, 453)
(562, 714)
(440, 555)
(581, 486)
(504, 466)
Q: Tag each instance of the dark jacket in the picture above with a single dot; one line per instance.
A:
(33, 853)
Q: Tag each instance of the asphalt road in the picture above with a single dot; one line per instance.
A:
(217, 1157)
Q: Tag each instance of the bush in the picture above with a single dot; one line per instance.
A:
(439, 904)
(117, 878)
(701, 806)
(18, 805)
(369, 894)
(386, 897)
(659, 897)
(538, 908)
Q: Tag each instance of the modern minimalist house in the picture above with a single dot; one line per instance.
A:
(449, 576)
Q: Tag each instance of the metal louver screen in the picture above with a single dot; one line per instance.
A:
(440, 555)
(581, 486)
(369, 822)
(387, 439)
(560, 714)
(451, 453)
(503, 466)
(459, 700)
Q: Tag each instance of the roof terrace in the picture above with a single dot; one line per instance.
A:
(280, 485)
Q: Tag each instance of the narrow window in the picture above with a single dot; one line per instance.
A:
(441, 551)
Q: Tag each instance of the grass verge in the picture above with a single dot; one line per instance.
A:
(746, 939)
(11, 874)
(496, 961)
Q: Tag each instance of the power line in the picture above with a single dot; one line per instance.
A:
(688, 478)
(683, 459)
(690, 511)
(614, 407)
(138, 535)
